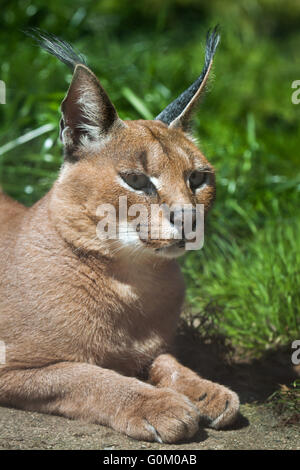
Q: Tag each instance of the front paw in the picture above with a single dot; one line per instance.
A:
(217, 404)
(161, 415)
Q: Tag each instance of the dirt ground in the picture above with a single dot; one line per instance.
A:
(26, 430)
(257, 427)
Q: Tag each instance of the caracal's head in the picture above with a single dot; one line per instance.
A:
(128, 187)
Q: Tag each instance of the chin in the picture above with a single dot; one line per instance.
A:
(171, 251)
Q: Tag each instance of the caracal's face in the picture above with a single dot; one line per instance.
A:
(146, 164)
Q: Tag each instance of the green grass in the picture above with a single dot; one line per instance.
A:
(145, 53)
(251, 287)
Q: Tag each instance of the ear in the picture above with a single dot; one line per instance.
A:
(87, 112)
(178, 113)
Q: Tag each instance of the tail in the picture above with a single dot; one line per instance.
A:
(2, 193)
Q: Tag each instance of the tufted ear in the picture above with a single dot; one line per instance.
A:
(87, 112)
(178, 113)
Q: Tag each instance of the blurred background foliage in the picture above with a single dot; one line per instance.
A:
(146, 52)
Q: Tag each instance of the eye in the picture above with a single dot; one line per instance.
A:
(197, 179)
(139, 182)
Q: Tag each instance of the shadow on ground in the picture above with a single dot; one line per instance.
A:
(253, 379)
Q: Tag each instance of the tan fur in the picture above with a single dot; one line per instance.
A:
(85, 320)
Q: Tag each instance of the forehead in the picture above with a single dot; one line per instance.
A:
(155, 148)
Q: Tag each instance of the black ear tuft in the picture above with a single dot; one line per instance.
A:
(88, 115)
(181, 105)
(57, 47)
